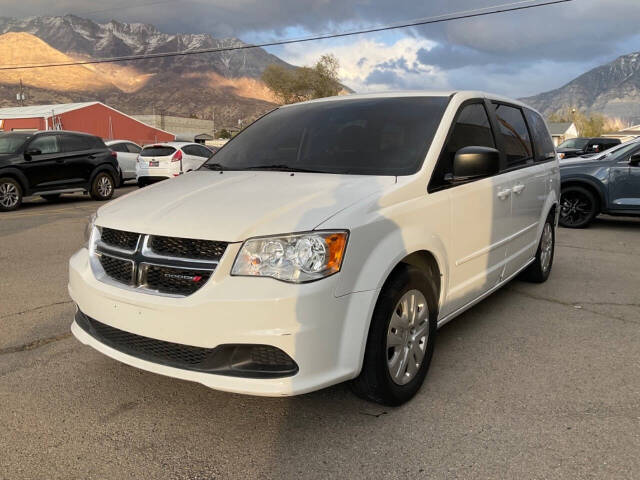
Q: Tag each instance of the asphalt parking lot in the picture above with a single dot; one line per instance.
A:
(538, 381)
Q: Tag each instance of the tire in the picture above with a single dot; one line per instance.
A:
(53, 197)
(578, 207)
(10, 194)
(102, 186)
(540, 269)
(392, 338)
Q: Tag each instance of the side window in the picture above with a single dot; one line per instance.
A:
(46, 144)
(118, 147)
(133, 148)
(188, 149)
(472, 129)
(203, 151)
(541, 137)
(75, 143)
(515, 136)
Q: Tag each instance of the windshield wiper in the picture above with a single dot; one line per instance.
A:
(282, 168)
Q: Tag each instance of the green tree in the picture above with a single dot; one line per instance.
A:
(588, 125)
(291, 85)
(224, 133)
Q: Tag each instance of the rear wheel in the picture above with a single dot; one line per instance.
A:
(52, 197)
(578, 207)
(540, 269)
(102, 186)
(401, 339)
(10, 194)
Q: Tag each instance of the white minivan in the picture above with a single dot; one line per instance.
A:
(326, 242)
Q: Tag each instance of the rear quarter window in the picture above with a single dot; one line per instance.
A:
(544, 149)
(157, 151)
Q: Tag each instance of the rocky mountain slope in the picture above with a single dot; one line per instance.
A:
(227, 82)
(612, 89)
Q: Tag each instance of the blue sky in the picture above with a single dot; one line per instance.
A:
(514, 54)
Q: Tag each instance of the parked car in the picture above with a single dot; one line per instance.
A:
(127, 154)
(575, 147)
(608, 183)
(50, 163)
(167, 160)
(326, 242)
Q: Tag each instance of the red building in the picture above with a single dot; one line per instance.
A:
(95, 118)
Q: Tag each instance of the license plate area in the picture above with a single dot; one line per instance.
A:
(154, 163)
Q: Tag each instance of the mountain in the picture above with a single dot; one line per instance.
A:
(612, 89)
(196, 85)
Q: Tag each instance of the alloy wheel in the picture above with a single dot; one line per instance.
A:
(104, 186)
(9, 195)
(546, 247)
(407, 337)
(576, 208)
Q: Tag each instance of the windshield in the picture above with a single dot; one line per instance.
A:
(621, 151)
(578, 143)
(374, 136)
(12, 142)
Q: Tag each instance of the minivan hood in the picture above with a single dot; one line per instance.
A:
(233, 206)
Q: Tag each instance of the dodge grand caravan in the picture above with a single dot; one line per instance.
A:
(327, 242)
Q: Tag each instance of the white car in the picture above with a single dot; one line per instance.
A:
(127, 155)
(325, 243)
(167, 160)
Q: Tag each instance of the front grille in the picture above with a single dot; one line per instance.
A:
(157, 264)
(239, 360)
(187, 248)
(118, 269)
(119, 238)
(175, 280)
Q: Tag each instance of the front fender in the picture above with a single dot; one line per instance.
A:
(18, 175)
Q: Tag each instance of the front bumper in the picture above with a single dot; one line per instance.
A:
(325, 335)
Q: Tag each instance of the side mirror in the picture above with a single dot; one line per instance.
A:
(475, 162)
(635, 159)
(33, 151)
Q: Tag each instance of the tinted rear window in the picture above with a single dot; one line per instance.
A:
(373, 136)
(76, 143)
(541, 137)
(157, 151)
(515, 135)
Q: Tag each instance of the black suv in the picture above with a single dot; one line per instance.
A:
(576, 147)
(51, 163)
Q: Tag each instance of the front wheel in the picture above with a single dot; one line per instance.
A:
(10, 194)
(401, 339)
(102, 186)
(578, 207)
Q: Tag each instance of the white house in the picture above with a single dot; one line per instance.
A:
(562, 131)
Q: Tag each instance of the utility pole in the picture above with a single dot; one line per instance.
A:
(21, 97)
(213, 117)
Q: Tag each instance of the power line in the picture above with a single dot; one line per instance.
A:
(511, 7)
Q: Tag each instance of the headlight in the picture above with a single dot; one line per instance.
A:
(296, 258)
(90, 231)
(561, 156)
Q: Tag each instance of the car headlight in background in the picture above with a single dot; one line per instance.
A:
(561, 156)
(296, 258)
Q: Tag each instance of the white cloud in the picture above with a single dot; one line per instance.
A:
(371, 65)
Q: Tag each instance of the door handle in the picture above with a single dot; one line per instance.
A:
(502, 194)
(518, 189)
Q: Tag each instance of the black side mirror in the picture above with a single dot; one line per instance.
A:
(33, 151)
(475, 162)
(635, 159)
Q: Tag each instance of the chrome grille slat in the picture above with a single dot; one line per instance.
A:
(172, 275)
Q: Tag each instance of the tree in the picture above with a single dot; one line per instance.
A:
(588, 125)
(224, 133)
(304, 83)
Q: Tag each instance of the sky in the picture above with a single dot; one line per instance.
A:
(514, 54)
